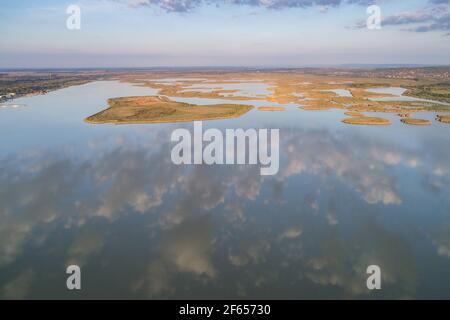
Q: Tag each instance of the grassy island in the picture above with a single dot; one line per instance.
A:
(417, 122)
(367, 120)
(157, 109)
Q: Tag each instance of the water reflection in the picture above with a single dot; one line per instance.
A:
(397, 95)
(141, 227)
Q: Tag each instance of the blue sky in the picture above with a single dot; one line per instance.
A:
(146, 33)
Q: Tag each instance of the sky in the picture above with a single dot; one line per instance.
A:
(260, 33)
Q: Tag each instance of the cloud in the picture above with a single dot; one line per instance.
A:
(187, 250)
(168, 5)
(84, 245)
(254, 252)
(441, 240)
(18, 287)
(292, 232)
(365, 173)
(341, 263)
(189, 5)
(440, 1)
(220, 220)
(129, 185)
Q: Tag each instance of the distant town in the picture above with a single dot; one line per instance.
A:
(16, 84)
(413, 73)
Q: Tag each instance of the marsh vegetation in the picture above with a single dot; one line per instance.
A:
(157, 109)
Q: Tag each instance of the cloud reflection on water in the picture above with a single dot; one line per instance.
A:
(219, 231)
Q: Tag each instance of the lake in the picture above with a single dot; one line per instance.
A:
(109, 199)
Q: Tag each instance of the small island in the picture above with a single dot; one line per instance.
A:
(271, 108)
(443, 119)
(354, 114)
(416, 122)
(367, 121)
(158, 109)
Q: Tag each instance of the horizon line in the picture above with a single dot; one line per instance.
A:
(313, 66)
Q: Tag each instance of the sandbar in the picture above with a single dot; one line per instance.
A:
(417, 122)
(271, 109)
(367, 120)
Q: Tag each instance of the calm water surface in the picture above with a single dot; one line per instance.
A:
(109, 199)
(397, 93)
(341, 92)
